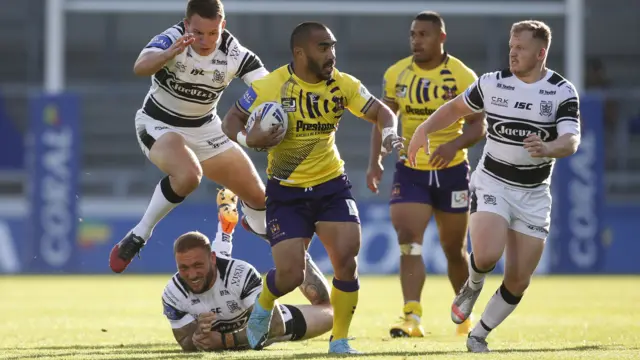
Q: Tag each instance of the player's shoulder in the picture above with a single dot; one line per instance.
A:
(343, 79)
(229, 44)
(239, 276)
(498, 79)
(175, 292)
(457, 66)
(273, 80)
(565, 87)
(399, 66)
(175, 31)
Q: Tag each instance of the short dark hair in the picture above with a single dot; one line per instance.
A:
(191, 240)
(300, 34)
(208, 9)
(539, 30)
(433, 17)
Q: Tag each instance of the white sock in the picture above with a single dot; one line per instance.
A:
(164, 199)
(500, 306)
(222, 244)
(476, 278)
(257, 219)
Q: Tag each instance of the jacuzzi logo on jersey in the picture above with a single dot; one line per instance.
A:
(56, 217)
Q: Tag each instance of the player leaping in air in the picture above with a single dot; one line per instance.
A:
(190, 65)
(533, 116)
(438, 184)
(209, 299)
(308, 190)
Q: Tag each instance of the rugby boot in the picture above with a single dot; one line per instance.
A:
(124, 251)
(341, 346)
(476, 344)
(247, 227)
(463, 303)
(464, 328)
(408, 327)
(227, 203)
(258, 326)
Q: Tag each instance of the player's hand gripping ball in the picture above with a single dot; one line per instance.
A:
(272, 122)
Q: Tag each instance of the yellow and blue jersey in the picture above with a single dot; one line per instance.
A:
(307, 156)
(419, 93)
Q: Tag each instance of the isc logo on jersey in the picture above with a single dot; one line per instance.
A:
(271, 113)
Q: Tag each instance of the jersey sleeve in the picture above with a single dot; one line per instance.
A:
(358, 98)
(173, 308)
(474, 95)
(246, 64)
(165, 39)
(568, 113)
(389, 80)
(248, 285)
(260, 91)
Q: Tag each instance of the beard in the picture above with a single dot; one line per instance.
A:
(206, 285)
(320, 70)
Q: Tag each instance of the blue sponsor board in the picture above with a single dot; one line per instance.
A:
(379, 254)
(577, 226)
(53, 148)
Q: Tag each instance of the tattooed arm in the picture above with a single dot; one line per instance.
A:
(184, 336)
(315, 286)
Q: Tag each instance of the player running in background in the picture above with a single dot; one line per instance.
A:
(190, 65)
(533, 116)
(209, 300)
(438, 184)
(308, 190)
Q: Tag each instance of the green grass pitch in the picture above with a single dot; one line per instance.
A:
(120, 317)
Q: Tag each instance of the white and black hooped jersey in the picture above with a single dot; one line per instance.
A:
(188, 87)
(233, 294)
(515, 110)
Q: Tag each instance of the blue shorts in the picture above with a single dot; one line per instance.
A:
(292, 212)
(445, 189)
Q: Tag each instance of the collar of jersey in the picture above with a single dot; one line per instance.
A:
(524, 84)
(304, 83)
(417, 69)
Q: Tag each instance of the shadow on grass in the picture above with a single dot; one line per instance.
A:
(168, 351)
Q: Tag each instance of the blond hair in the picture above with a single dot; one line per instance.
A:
(539, 30)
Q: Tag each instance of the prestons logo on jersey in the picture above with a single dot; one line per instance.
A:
(193, 92)
(409, 110)
(315, 128)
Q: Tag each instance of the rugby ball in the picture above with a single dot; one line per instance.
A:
(271, 114)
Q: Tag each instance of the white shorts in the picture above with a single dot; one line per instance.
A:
(527, 211)
(205, 141)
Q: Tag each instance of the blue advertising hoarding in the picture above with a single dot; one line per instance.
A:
(379, 255)
(53, 151)
(577, 225)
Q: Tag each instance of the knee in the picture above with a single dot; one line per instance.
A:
(482, 263)
(406, 235)
(187, 180)
(517, 285)
(454, 250)
(293, 275)
(346, 267)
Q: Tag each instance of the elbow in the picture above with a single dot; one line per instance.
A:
(188, 346)
(138, 69)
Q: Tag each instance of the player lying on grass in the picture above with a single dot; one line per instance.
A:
(209, 300)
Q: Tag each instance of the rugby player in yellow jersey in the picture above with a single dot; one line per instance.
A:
(308, 190)
(415, 87)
